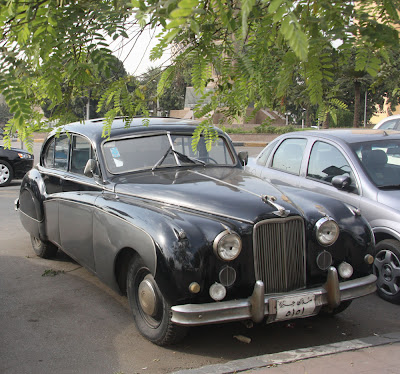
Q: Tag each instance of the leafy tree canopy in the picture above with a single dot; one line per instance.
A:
(57, 49)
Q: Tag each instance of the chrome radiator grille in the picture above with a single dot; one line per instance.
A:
(279, 254)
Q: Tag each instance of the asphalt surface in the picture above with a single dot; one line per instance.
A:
(56, 317)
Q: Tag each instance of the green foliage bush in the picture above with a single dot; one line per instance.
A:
(344, 119)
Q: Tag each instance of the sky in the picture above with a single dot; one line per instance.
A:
(136, 56)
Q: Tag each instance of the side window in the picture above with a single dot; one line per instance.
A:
(326, 161)
(389, 125)
(48, 158)
(262, 160)
(289, 155)
(81, 152)
(61, 152)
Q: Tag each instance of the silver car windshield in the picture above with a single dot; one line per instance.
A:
(160, 151)
(381, 161)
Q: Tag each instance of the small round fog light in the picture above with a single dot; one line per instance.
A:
(369, 259)
(194, 287)
(217, 291)
(345, 270)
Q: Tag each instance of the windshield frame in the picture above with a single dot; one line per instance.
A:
(178, 164)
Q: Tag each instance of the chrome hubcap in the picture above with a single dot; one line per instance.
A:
(148, 296)
(4, 173)
(387, 273)
(387, 270)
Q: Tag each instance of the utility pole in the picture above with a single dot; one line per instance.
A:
(88, 106)
(365, 108)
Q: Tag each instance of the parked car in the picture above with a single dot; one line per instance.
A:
(14, 163)
(359, 167)
(190, 237)
(389, 123)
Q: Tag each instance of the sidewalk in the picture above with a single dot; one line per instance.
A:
(379, 359)
(375, 354)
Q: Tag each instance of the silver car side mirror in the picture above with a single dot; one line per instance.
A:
(90, 168)
(243, 157)
(342, 182)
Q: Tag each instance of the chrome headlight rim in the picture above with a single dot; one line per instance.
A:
(319, 226)
(219, 240)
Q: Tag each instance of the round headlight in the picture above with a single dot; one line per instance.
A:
(227, 245)
(327, 231)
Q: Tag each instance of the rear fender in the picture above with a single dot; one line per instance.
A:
(31, 209)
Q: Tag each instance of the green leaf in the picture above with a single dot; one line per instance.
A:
(274, 5)
(180, 12)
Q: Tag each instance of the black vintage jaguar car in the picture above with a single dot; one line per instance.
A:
(189, 236)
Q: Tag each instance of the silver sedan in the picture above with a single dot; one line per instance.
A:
(360, 167)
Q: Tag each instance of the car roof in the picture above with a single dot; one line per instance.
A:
(350, 136)
(93, 128)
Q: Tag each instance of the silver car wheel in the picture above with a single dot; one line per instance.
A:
(387, 269)
(4, 173)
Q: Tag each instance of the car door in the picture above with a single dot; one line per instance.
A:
(76, 204)
(284, 166)
(53, 165)
(327, 160)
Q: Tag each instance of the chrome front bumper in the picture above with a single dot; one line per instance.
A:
(258, 306)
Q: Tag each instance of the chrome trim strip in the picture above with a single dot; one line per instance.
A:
(116, 216)
(191, 207)
(242, 309)
(26, 215)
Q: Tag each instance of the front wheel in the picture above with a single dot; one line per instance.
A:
(387, 269)
(6, 173)
(151, 311)
(43, 249)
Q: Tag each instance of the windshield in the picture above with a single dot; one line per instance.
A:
(160, 151)
(381, 161)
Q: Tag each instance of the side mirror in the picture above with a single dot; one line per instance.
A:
(243, 157)
(90, 168)
(341, 182)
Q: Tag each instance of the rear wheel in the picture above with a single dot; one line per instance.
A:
(6, 173)
(387, 269)
(151, 311)
(42, 248)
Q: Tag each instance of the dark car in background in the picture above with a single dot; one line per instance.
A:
(14, 164)
(189, 236)
(360, 167)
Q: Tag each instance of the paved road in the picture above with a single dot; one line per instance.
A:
(72, 323)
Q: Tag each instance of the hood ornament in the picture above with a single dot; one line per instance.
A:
(270, 200)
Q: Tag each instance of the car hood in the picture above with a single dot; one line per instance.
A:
(14, 149)
(228, 192)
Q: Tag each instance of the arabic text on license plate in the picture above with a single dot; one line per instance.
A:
(295, 307)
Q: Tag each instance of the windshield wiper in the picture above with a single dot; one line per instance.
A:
(161, 160)
(181, 157)
(186, 158)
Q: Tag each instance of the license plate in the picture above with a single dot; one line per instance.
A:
(295, 307)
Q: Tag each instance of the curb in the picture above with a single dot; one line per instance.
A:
(287, 357)
(249, 144)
